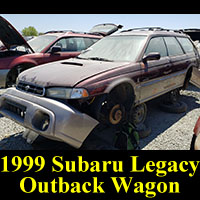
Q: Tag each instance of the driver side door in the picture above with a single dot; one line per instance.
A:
(153, 80)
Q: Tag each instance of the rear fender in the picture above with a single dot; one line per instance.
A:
(195, 79)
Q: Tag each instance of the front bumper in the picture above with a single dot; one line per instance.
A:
(47, 117)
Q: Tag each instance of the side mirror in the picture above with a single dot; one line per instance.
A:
(151, 56)
(55, 49)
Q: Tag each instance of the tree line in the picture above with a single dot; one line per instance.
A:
(30, 31)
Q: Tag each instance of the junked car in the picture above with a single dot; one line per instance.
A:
(52, 46)
(107, 84)
(195, 143)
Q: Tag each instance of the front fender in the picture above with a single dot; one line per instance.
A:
(117, 82)
(21, 61)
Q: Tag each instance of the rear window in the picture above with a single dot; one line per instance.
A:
(173, 46)
(186, 44)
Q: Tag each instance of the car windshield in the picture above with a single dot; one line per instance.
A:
(40, 42)
(115, 48)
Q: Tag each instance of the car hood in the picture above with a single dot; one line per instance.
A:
(66, 72)
(10, 36)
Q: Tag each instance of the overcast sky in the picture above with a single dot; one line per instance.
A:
(84, 22)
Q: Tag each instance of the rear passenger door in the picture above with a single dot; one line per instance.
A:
(177, 56)
(180, 63)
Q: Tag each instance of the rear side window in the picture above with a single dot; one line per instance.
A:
(186, 44)
(173, 46)
(157, 45)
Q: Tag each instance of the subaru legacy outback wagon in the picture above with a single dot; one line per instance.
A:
(108, 83)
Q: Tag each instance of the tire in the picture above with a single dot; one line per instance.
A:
(137, 115)
(14, 72)
(172, 96)
(177, 107)
(11, 78)
(143, 131)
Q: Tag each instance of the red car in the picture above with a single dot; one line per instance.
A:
(195, 143)
(20, 55)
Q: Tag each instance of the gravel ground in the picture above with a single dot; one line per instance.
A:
(169, 131)
(172, 131)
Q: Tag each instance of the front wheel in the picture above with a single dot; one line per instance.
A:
(14, 72)
(107, 111)
(12, 77)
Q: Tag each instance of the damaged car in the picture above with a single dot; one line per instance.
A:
(19, 54)
(109, 83)
(195, 142)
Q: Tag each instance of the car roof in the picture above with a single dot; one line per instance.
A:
(70, 33)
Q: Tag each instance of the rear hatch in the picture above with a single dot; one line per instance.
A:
(105, 29)
(194, 34)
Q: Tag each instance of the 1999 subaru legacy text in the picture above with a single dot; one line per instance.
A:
(108, 83)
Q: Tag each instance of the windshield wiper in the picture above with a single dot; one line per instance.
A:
(99, 59)
(81, 58)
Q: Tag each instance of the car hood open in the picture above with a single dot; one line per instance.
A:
(10, 36)
(105, 29)
(66, 73)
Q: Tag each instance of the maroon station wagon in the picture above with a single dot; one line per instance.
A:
(52, 46)
(107, 84)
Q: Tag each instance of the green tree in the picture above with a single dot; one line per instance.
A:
(29, 31)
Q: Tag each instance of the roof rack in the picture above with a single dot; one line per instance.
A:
(152, 29)
(70, 31)
(59, 31)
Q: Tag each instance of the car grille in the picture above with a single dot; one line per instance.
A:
(30, 88)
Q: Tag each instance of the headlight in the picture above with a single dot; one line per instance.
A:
(67, 93)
